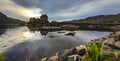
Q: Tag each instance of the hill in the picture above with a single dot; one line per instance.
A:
(100, 19)
(4, 20)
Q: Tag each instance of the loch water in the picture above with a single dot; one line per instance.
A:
(21, 43)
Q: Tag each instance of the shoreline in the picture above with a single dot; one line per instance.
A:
(110, 43)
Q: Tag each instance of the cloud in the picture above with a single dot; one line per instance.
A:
(59, 9)
(88, 8)
(14, 10)
(27, 3)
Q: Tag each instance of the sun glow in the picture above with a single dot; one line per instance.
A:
(33, 12)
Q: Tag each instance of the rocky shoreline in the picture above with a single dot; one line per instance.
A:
(110, 43)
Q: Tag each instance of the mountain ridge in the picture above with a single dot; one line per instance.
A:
(112, 18)
(7, 20)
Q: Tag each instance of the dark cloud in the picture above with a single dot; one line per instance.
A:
(25, 3)
(61, 9)
(51, 6)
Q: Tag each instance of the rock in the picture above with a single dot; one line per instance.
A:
(61, 32)
(72, 51)
(103, 38)
(82, 52)
(110, 41)
(53, 58)
(63, 58)
(113, 41)
(106, 47)
(63, 55)
(51, 36)
(117, 44)
(117, 38)
(70, 34)
(113, 46)
(80, 47)
(44, 59)
(5, 46)
(73, 58)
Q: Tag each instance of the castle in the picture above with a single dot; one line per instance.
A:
(43, 20)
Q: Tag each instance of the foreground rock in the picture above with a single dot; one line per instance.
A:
(73, 54)
(110, 43)
(70, 34)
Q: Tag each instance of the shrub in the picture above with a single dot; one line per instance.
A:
(93, 52)
(2, 57)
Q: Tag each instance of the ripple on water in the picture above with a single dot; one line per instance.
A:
(20, 43)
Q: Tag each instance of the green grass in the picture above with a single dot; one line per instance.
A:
(2, 57)
(94, 53)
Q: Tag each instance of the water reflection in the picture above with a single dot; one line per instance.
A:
(23, 43)
(42, 32)
(2, 31)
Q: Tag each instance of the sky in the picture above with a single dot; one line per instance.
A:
(59, 10)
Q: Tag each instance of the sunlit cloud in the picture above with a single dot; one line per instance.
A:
(59, 10)
(33, 12)
(17, 11)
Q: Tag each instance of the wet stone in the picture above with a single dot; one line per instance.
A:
(73, 58)
(70, 34)
(82, 52)
(5, 46)
(53, 58)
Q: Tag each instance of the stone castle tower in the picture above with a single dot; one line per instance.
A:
(44, 19)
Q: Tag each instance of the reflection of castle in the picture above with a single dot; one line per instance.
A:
(43, 20)
(34, 29)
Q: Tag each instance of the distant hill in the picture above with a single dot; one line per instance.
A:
(99, 19)
(7, 20)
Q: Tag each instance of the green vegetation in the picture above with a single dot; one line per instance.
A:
(94, 53)
(4, 20)
(2, 57)
(54, 23)
(34, 23)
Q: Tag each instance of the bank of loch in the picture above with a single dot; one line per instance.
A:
(106, 48)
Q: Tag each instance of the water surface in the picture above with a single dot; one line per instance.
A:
(22, 43)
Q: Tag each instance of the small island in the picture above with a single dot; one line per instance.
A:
(100, 22)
